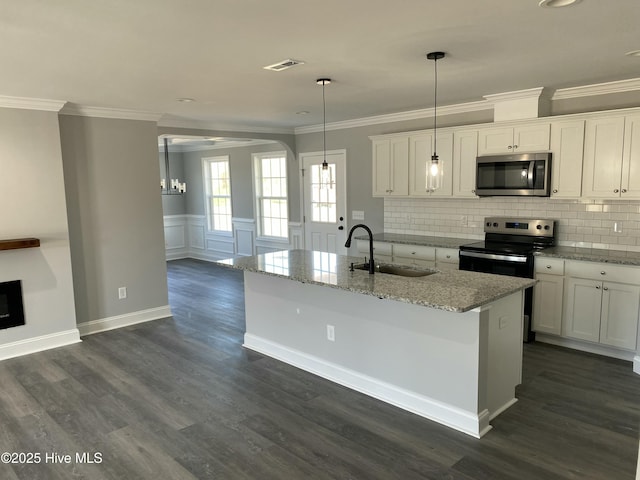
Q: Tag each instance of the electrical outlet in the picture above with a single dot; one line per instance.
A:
(464, 220)
(617, 227)
(331, 333)
(122, 293)
(502, 322)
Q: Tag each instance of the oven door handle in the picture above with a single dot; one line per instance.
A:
(494, 256)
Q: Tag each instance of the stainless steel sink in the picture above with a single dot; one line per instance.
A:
(397, 270)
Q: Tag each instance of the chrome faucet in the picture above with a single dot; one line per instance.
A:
(348, 244)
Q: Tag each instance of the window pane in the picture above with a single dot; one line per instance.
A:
(271, 195)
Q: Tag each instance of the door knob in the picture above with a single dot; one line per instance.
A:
(340, 227)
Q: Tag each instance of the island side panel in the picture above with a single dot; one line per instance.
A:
(432, 359)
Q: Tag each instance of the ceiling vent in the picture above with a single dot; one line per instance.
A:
(283, 65)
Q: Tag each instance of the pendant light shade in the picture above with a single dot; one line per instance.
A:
(326, 178)
(434, 171)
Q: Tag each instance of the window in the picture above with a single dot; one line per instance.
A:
(271, 194)
(217, 188)
(324, 205)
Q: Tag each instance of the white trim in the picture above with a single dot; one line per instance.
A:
(31, 103)
(399, 117)
(516, 95)
(103, 112)
(202, 148)
(38, 344)
(170, 122)
(464, 421)
(119, 321)
(636, 364)
(585, 347)
(619, 86)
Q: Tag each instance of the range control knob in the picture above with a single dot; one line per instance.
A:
(539, 227)
(488, 224)
(495, 224)
(547, 227)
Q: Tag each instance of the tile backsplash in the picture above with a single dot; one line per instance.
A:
(608, 224)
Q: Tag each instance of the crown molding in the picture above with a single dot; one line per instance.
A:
(104, 112)
(399, 117)
(172, 122)
(202, 148)
(619, 86)
(516, 95)
(31, 103)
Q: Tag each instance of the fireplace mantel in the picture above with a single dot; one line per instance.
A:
(16, 243)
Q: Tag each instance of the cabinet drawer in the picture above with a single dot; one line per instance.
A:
(551, 266)
(414, 251)
(381, 248)
(603, 271)
(447, 255)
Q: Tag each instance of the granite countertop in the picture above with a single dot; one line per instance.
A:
(450, 290)
(424, 240)
(620, 257)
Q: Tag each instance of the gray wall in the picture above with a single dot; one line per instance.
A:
(112, 180)
(33, 205)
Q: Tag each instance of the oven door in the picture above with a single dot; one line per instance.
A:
(497, 263)
(504, 264)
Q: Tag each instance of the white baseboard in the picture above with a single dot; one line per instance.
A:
(585, 346)
(636, 364)
(464, 421)
(38, 344)
(119, 321)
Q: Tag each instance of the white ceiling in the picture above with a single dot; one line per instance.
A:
(144, 54)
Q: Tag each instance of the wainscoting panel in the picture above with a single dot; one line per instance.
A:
(244, 231)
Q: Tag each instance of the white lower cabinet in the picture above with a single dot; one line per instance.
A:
(547, 304)
(447, 259)
(599, 310)
(414, 255)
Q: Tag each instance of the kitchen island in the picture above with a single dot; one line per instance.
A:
(446, 346)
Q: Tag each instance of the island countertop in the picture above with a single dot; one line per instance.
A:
(450, 290)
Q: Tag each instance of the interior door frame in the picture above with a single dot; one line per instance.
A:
(301, 157)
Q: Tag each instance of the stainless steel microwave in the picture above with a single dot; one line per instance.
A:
(526, 174)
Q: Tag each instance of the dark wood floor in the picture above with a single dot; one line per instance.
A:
(180, 398)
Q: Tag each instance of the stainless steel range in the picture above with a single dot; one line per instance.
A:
(508, 249)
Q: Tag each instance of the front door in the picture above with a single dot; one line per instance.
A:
(325, 209)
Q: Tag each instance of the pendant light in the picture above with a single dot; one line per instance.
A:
(326, 176)
(168, 185)
(433, 180)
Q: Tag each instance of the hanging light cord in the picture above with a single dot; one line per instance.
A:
(435, 107)
(324, 127)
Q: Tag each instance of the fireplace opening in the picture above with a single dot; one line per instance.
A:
(11, 306)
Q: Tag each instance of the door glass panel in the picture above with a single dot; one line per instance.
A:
(323, 200)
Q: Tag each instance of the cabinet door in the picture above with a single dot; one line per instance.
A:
(420, 152)
(631, 158)
(583, 299)
(620, 307)
(445, 156)
(531, 138)
(603, 148)
(381, 167)
(567, 148)
(495, 140)
(391, 167)
(465, 151)
(547, 304)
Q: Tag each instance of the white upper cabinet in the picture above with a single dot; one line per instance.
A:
(604, 153)
(567, 146)
(630, 187)
(420, 151)
(465, 151)
(391, 166)
(523, 138)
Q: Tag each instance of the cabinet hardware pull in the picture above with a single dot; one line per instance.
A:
(555, 190)
(413, 253)
(598, 287)
(515, 146)
(624, 190)
(548, 266)
(616, 191)
(448, 256)
(603, 273)
(605, 288)
(509, 147)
